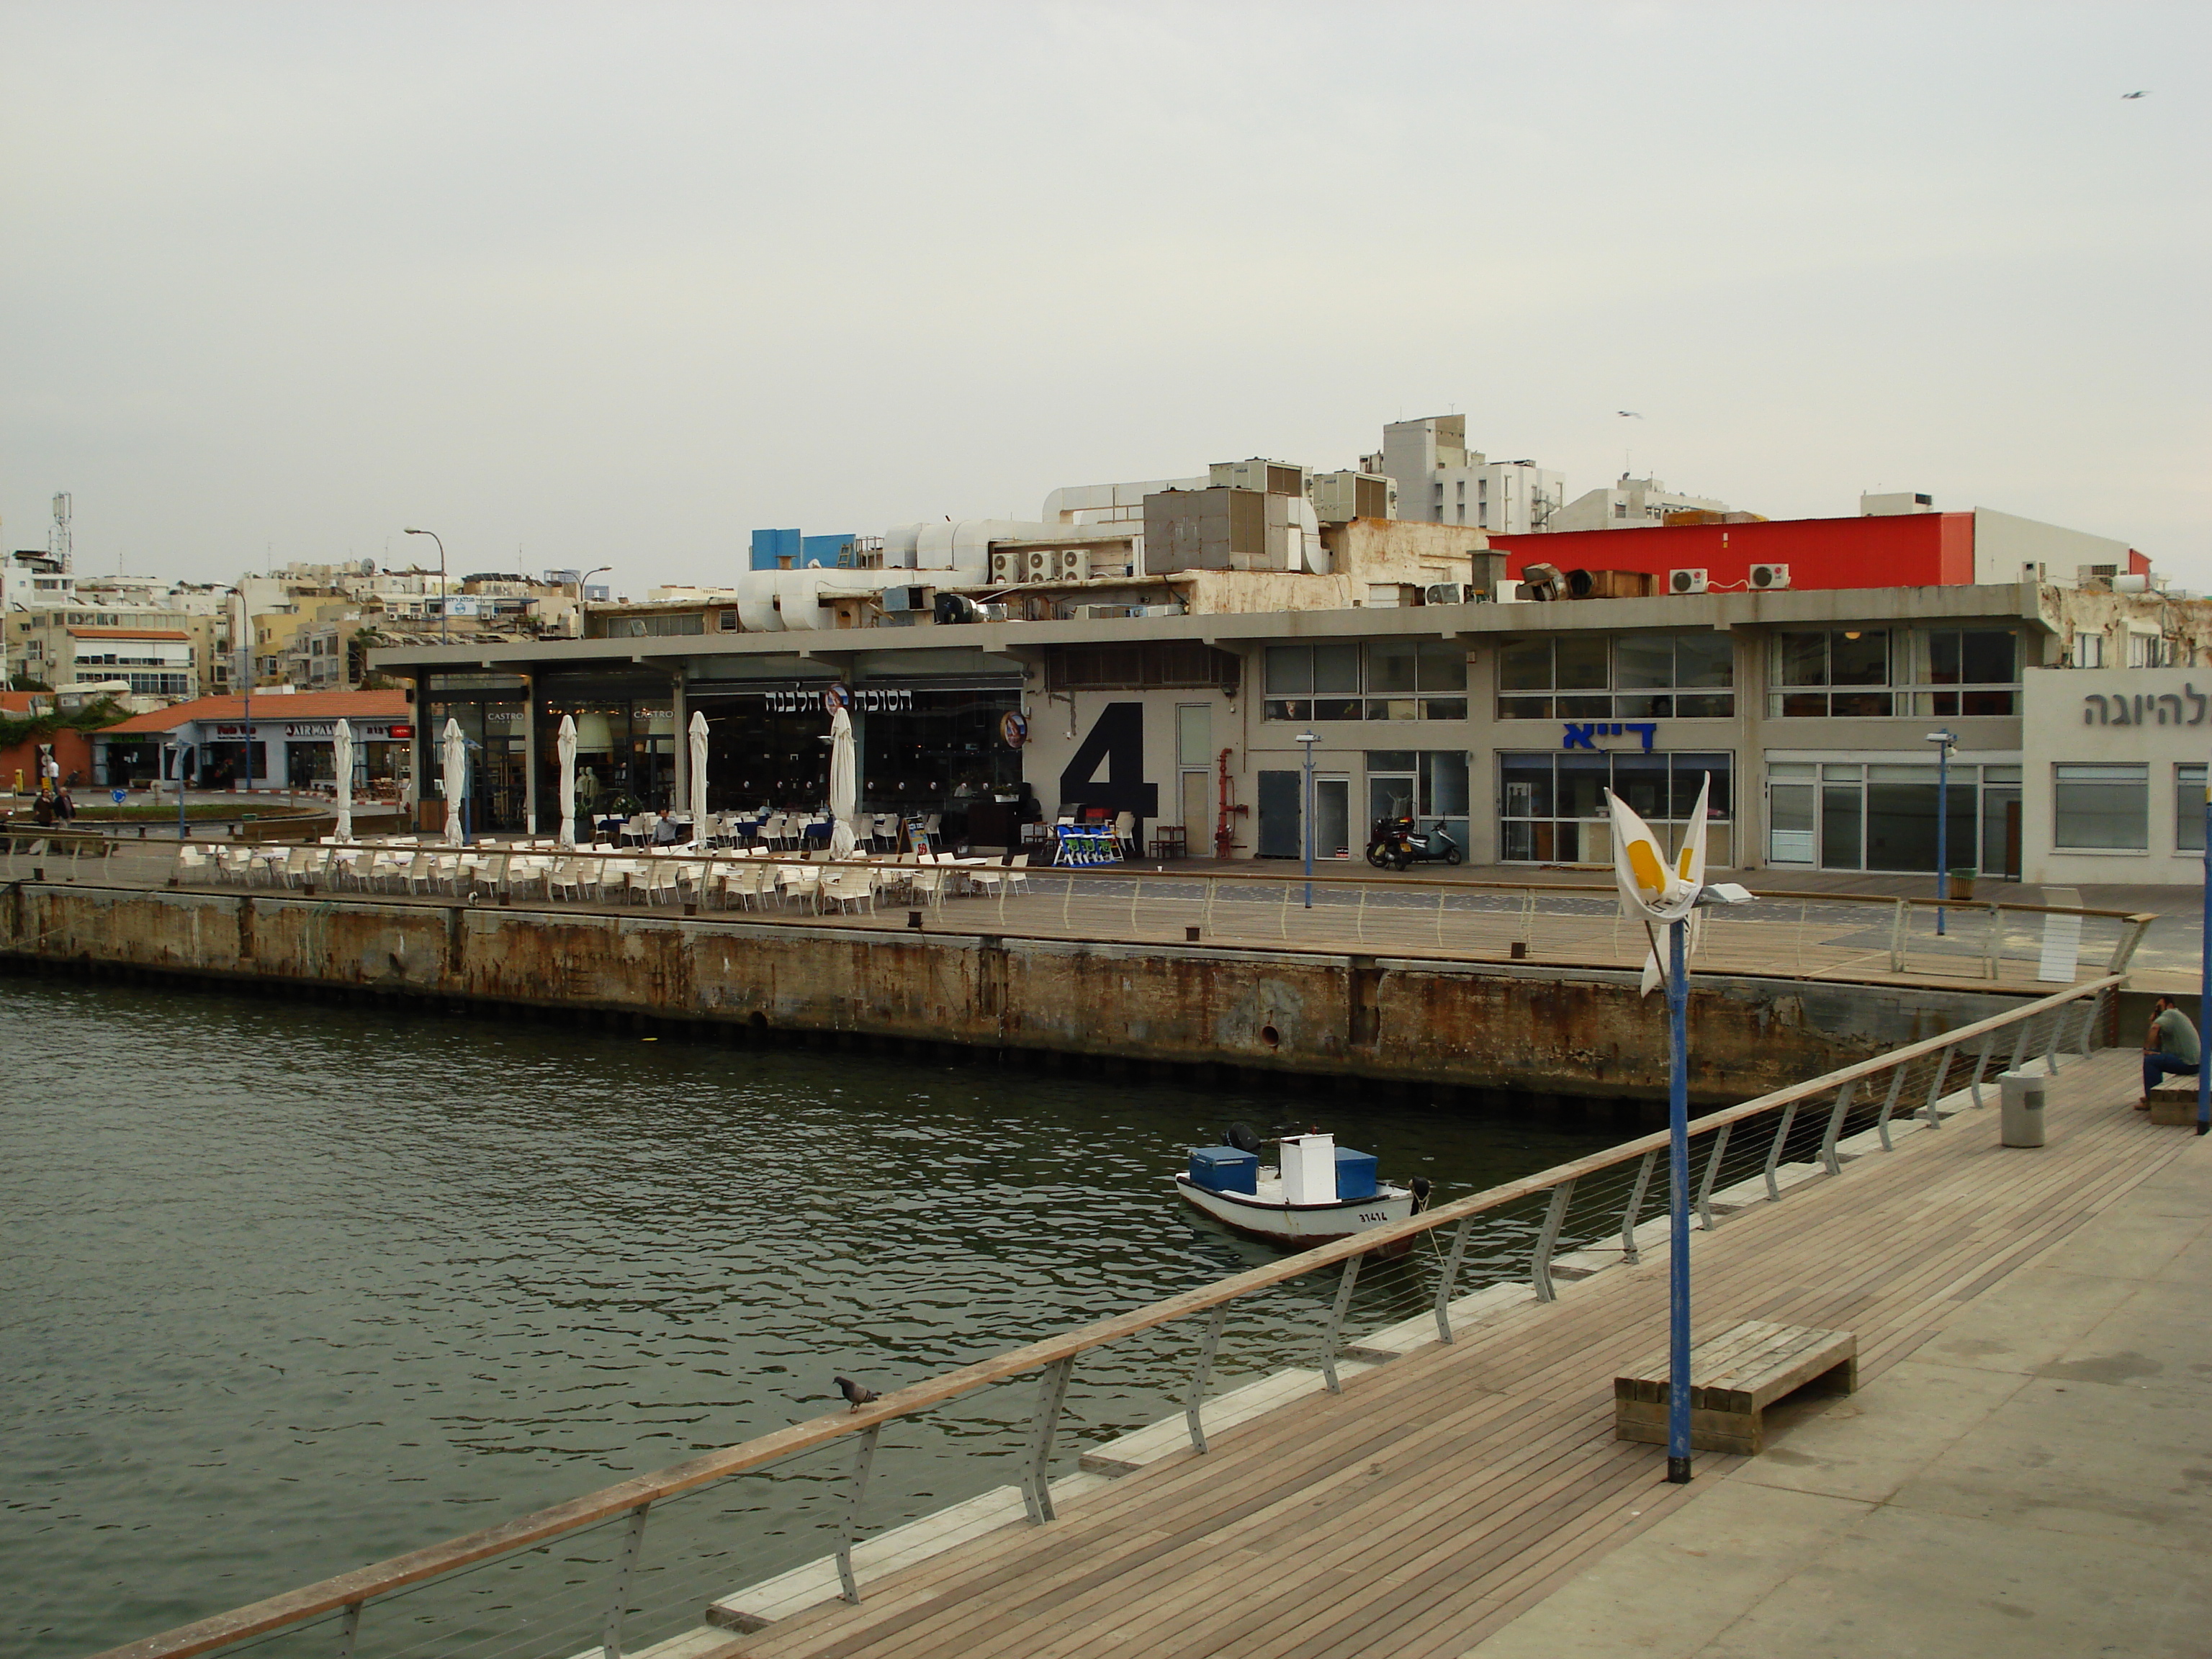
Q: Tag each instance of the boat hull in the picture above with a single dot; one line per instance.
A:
(1298, 1226)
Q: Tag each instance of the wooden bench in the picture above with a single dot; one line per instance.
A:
(2174, 1105)
(1733, 1378)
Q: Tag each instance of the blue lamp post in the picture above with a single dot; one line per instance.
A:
(1943, 740)
(1306, 816)
(2205, 970)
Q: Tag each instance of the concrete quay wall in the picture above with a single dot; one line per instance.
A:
(1520, 1028)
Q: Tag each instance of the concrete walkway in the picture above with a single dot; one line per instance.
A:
(2035, 1480)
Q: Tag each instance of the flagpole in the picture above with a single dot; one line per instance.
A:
(1678, 1219)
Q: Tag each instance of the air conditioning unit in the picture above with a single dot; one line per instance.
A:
(1769, 575)
(1074, 564)
(1686, 582)
(906, 598)
(1444, 594)
(1006, 566)
(1041, 566)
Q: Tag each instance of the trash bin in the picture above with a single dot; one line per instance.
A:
(2022, 1110)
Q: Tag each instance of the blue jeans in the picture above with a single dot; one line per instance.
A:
(2156, 1066)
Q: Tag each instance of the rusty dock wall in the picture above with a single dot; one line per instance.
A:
(1508, 1027)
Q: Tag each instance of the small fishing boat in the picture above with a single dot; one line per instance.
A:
(1315, 1192)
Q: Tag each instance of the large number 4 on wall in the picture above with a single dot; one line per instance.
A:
(1115, 741)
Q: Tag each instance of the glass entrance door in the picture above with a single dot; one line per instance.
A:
(1332, 818)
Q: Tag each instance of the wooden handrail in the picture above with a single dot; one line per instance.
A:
(311, 1601)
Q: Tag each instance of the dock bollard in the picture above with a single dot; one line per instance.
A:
(2020, 1108)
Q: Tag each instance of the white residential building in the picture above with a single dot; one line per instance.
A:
(1630, 504)
(1441, 481)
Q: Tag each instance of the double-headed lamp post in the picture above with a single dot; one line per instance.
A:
(445, 622)
(1306, 810)
(1943, 741)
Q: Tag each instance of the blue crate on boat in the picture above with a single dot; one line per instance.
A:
(1355, 1174)
(1225, 1169)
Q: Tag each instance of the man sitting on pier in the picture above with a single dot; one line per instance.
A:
(2170, 1045)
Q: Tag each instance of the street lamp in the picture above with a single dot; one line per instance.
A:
(1943, 740)
(1306, 817)
(177, 750)
(445, 622)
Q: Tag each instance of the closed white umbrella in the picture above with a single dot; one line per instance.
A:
(342, 760)
(565, 746)
(456, 769)
(844, 782)
(698, 730)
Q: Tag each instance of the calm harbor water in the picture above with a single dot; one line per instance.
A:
(289, 1289)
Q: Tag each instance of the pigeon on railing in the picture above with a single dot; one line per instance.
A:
(856, 1393)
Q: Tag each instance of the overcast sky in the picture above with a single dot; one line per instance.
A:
(614, 284)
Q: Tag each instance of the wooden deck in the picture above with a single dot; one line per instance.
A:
(1444, 1493)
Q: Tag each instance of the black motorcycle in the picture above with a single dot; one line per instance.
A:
(1396, 844)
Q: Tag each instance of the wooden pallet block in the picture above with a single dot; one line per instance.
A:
(1733, 1378)
(2173, 1105)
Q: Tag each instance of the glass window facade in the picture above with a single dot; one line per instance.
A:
(1850, 815)
(1382, 680)
(2188, 809)
(1853, 673)
(2101, 808)
(1618, 676)
(1552, 806)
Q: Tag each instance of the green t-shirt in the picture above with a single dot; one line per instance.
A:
(2176, 1036)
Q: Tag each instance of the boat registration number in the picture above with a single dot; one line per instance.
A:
(1374, 1215)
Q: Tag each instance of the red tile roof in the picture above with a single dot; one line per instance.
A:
(274, 706)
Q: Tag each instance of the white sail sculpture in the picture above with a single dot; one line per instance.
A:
(1652, 890)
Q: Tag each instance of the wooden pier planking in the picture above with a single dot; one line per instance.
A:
(1445, 1491)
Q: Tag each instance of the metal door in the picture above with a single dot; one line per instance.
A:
(1279, 816)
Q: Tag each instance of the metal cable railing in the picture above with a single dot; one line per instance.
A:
(1795, 935)
(593, 1572)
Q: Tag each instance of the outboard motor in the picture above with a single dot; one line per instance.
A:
(1244, 1138)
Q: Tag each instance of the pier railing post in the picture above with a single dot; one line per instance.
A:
(1943, 1075)
(1774, 1152)
(348, 1630)
(1194, 1401)
(863, 1461)
(2018, 1047)
(1981, 1066)
(1336, 1331)
(1635, 1210)
(1555, 1215)
(1836, 1127)
(1451, 1277)
(2096, 1005)
(1889, 1105)
(1051, 1394)
(1712, 1170)
(611, 1630)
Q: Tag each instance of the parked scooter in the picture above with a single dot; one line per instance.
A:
(1395, 843)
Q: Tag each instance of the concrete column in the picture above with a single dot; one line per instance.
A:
(530, 753)
(683, 772)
